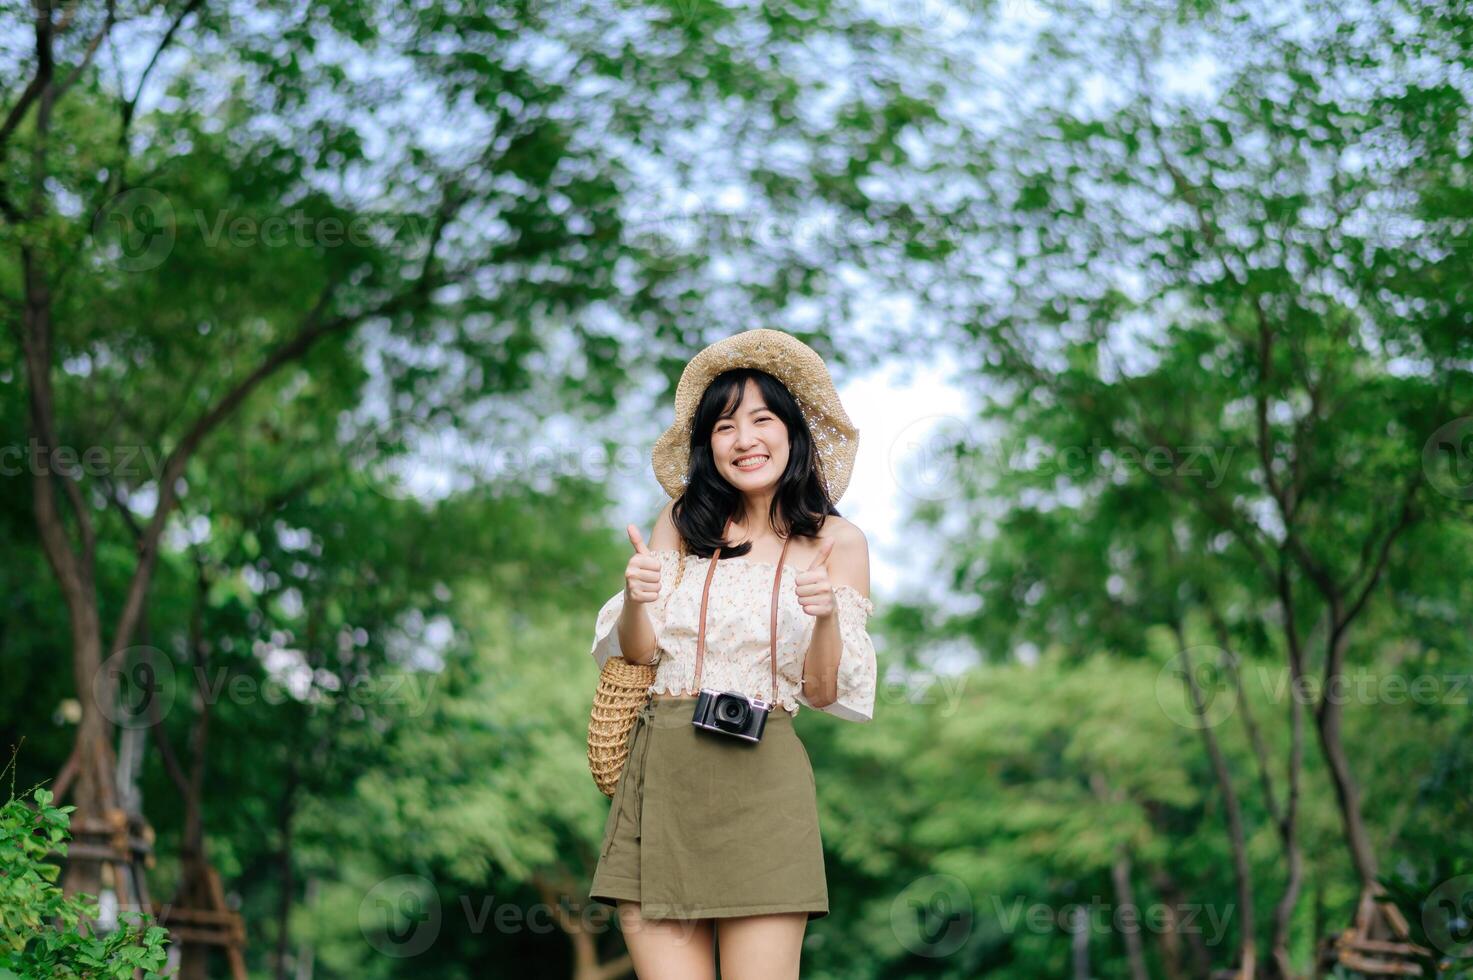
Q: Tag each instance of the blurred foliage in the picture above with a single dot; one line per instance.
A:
(1208, 263)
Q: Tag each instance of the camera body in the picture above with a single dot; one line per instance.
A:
(731, 713)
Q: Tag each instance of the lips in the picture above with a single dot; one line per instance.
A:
(761, 459)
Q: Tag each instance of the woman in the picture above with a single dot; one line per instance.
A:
(713, 837)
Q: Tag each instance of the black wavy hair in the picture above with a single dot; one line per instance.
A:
(800, 502)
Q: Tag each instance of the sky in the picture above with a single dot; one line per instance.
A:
(898, 409)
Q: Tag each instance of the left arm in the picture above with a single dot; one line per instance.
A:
(847, 563)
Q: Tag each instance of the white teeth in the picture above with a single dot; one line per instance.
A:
(751, 464)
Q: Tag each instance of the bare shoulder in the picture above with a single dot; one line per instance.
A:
(849, 561)
(842, 530)
(665, 536)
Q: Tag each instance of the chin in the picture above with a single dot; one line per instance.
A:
(744, 482)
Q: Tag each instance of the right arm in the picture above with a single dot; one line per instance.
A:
(642, 586)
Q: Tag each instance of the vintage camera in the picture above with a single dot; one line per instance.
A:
(731, 713)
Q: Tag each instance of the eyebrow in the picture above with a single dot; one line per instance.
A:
(750, 411)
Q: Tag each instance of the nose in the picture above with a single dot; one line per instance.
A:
(746, 439)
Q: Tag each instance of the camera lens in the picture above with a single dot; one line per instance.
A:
(732, 712)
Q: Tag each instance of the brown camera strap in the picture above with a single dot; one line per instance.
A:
(777, 579)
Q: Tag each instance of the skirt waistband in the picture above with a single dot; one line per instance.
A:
(670, 712)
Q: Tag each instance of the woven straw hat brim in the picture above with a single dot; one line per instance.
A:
(797, 366)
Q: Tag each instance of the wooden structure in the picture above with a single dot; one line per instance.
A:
(1378, 944)
(118, 841)
(121, 842)
(199, 919)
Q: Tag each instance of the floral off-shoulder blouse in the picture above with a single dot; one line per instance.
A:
(737, 634)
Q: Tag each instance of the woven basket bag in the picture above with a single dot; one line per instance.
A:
(622, 690)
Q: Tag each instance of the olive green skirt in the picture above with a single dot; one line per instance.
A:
(704, 825)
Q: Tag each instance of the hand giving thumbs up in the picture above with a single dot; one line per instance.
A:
(642, 574)
(815, 592)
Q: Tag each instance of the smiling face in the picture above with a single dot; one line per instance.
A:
(749, 444)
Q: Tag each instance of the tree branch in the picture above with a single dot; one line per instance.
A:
(1404, 519)
(131, 105)
(92, 47)
(315, 326)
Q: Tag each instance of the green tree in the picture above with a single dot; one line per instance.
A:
(1227, 346)
(206, 209)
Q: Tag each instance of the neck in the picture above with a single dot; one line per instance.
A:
(754, 519)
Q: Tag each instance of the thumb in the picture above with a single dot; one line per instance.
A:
(636, 540)
(823, 554)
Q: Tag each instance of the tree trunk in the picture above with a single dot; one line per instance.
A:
(285, 875)
(1079, 943)
(1286, 817)
(1175, 899)
(90, 798)
(89, 761)
(1288, 821)
(1242, 873)
(1319, 925)
(586, 965)
(1125, 902)
(306, 952)
(1347, 795)
(1170, 935)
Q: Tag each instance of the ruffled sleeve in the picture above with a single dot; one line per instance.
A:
(857, 667)
(606, 626)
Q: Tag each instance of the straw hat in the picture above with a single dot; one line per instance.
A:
(798, 367)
